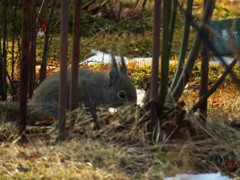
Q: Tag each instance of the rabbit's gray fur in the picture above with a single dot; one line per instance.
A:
(112, 88)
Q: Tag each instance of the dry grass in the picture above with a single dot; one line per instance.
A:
(120, 150)
(68, 160)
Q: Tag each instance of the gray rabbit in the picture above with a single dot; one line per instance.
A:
(113, 87)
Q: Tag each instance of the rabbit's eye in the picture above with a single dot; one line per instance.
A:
(122, 95)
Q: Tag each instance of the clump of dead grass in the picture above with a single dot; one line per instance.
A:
(124, 126)
(212, 147)
(70, 160)
(7, 131)
(121, 149)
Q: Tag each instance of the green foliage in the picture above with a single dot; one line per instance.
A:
(139, 74)
(225, 12)
(93, 25)
(10, 13)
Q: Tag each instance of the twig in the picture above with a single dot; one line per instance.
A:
(84, 7)
(215, 86)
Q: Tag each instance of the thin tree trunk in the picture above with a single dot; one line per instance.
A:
(34, 46)
(43, 6)
(4, 53)
(62, 102)
(204, 75)
(155, 66)
(31, 74)
(46, 44)
(166, 48)
(13, 48)
(75, 54)
(26, 37)
(1, 69)
(204, 82)
(143, 5)
(184, 43)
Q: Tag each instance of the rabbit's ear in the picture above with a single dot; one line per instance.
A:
(113, 72)
(122, 66)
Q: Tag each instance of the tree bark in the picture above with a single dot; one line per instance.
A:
(62, 103)
(32, 63)
(3, 87)
(155, 66)
(75, 54)
(46, 44)
(26, 37)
